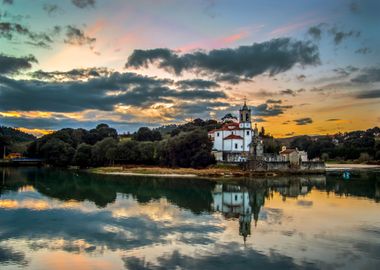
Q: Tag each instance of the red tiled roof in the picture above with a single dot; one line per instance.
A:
(228, 126)
(234, 137)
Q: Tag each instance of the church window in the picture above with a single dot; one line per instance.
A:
(236, 146)
(247, 132)
(217, 134)
(235, 197)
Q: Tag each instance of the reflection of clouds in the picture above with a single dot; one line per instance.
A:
(271, 215)
(38, 204)
(229, 256)
(304, 203)
(10, 256)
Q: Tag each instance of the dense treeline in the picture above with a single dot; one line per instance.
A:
(102, 146)
(11, 139)
(357, 145)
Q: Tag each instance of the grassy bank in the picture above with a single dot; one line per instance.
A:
(212, 171)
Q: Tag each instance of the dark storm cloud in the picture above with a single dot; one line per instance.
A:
(369, 94)
(101, 93)
(76, 36)
(274, 101)
(346, 71)
(368, 75)
(339, 35)
(197, 108)
(259, 120)
(8, 2)
(303, 121)
(197, 83)
(269, 110)
(10, 256)
(364, 50)
(51, 8)
(333, 119)
(74, 74)
(9, 30)
(274, 56)
(315, 32)
(12, 65)
(288, 92)
(301, 77)
(83, 3)
(231, 79)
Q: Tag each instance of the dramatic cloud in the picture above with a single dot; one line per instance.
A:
(74, 74)
(259, 120)
(8, 30)
(197, 83)
(369, 94)
(273, 101)
(231, 79)
(12, 65)
(291, 92)
(274, 56)
(51, 8)
(368, 75)
(83, 3)
(103, 93)
(266, 110)
(315, 32)
(339, 36)
(303, 121)
(333, 120)
(301, 77)
(346, 71)
(76, 36)
(364, 50)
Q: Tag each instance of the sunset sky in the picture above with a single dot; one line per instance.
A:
(304, 66)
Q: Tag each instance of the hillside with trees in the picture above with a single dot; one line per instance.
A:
(102, 146)
(14, 140)
(185, 145)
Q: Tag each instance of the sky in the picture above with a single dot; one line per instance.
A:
(304, 66)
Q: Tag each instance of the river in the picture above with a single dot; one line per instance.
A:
(61, 219)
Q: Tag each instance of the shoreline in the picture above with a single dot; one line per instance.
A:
(339, 167)
(213, 172)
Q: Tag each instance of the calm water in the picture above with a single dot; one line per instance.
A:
(56, 219)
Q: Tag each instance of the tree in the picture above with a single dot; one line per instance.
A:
(100, 149)
(146, 134)
(58, 153)
(188, 149)
(127, 152)
(82, 157)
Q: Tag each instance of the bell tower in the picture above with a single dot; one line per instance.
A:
(245, 116)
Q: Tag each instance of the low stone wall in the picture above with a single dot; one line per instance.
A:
(286, 166)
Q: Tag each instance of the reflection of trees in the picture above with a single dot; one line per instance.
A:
(11, 180)
(192, 194)
(361, 184)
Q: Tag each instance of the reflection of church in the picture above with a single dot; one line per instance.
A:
(236, 202)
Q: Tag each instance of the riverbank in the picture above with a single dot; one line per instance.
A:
(339, 166)
(213, 171)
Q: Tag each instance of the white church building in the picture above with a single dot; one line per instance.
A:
(232, 141)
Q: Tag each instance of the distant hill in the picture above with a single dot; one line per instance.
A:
(15, 135)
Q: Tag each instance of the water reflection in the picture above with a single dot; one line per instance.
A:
(113, 222)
